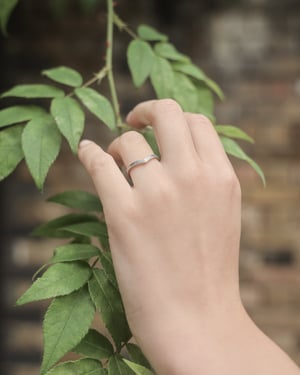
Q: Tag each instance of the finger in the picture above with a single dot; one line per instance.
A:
(206, 140)
(132, 146)
(108, 179)
(170, 127)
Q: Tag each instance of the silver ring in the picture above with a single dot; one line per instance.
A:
(135, 163)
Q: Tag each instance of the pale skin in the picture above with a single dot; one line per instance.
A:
(174, 236)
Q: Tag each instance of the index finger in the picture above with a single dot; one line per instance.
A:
(170, 127)
(108, 179)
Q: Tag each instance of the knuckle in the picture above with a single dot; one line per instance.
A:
(190, 174)
(229, 180)
(98, 163)
(129, 137)
(162, 193)
(130, 211)
(166, 105)
(199, 118)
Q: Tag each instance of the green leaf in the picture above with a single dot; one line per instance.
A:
(54, 228)
(138, 369)
(215, 88)
(107, 300)
(162, 78)
(66, 322)
(185, 93)
(117, 366)
(89, 229)
(232, 148)
(233, 132)
(19, 113)
(81, 200)
(11, 152)
(168, 51)
(64, 75)
(150, 138)
(94, 345)
(81, 367)
(6, 8)
(149, 33)
(193, 71)
(41, 142)
(69, 118)
(34, 91)
(205, 101)
(59, 280)
(98, 105)
(108, 267)
(74, 251)
(190, 70)
(140, 59)
(137, 355)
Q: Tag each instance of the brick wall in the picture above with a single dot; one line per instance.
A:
(253, 51)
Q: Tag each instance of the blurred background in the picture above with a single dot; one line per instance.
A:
(252, 49)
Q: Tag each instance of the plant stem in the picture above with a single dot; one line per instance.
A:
(109, 56)
(124, 27)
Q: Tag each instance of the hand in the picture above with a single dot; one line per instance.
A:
(174, 234)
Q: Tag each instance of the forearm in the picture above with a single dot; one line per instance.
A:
(215, 345)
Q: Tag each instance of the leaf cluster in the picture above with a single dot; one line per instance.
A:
(36, 135)
(81, 282)
(173, 75)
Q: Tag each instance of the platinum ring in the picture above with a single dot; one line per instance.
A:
(135, 163)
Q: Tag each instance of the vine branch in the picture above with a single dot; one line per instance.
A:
(109, 65)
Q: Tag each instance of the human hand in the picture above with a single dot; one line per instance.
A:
(175, 233)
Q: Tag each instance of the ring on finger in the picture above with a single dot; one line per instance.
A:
(143, 161)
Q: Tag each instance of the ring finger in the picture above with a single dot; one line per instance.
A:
(130, 147)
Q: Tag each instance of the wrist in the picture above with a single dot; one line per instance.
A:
(188, 340)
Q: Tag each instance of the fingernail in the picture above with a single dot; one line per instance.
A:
(84, 142)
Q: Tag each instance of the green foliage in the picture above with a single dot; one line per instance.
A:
(149, 33)
(232, 148)
(11, 152)
(107, 300)
(59, 280)
(81, 276)
(138, 369)
(80, 367)
(98, 105)
(94, 345)
(16, 114)
(78, 199)
(140, 60)
(6, 7)
(117, 366)
(168, 51)
(64, 75)
(33, 91)
(74, 251)
(67, 321)
(162, 78)
(41, 144)
(233, 132)
(137, 355)
(69, 118)
(56, 228)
